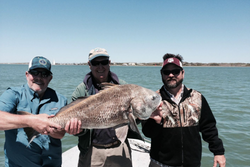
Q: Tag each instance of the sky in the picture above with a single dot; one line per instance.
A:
(142, 31)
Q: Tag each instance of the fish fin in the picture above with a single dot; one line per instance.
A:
(133, 125)
(78, 100)
(82, 97)
(107, 85)
(121, 133)
(23, 113)
(30, 132)
(132, 122)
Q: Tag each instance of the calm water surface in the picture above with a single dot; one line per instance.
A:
(227, 90)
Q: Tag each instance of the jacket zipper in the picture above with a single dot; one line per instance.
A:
(182, 153)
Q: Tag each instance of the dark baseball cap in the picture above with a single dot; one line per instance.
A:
(40, 62)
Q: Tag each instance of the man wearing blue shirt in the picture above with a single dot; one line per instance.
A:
(41, 102)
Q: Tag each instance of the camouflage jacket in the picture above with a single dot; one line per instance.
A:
(176, 141)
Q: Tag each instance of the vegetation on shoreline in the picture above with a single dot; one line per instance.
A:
(160, 64)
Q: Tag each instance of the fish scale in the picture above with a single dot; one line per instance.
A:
(114, 106)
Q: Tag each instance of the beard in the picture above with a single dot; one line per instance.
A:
(172, 83)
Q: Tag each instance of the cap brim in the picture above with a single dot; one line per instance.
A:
(98, 55)
(35, 67)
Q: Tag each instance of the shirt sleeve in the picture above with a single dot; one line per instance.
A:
(209, 130)
(150, 128)
(8, 101)
(80, 91)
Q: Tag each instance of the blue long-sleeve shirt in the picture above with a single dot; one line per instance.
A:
(44, 150)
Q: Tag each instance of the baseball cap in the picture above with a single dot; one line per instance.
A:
(172, 60)
(40, 62)
(98, 52)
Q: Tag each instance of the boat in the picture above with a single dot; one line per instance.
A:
(139, 148)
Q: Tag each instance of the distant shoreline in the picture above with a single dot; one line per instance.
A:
(160, 64)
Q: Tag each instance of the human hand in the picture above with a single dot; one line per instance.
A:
(157, 114)
(219, 159)
(42, 124)
(73, 126)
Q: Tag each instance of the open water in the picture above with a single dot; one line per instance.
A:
(227, 90)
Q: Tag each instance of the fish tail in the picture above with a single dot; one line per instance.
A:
(30, 132)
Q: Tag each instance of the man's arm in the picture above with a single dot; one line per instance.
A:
(210, 134)
(40, 122)
(80, 91)
(157, 114)
(152, 126)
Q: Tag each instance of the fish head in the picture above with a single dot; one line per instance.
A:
(144, 102)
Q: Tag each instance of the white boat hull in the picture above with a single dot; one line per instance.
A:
(140, 154)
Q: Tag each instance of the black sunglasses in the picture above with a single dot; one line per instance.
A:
(103, 62)
(174, 72)
(44, 74)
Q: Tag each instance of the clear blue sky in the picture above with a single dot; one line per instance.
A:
(131, 30)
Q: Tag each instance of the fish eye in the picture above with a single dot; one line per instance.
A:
(154, 97)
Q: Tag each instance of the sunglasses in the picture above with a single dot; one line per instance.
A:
(103, 62)
(44, 74)
(174, 72)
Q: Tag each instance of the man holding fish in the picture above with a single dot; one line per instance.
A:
(175, 128)
(39, 102)
(33, 137)
(108, 147)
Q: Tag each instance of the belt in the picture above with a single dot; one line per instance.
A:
(107, 145)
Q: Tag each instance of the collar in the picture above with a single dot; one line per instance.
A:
(178, 99)
(88, 80)
(48, 95)
(33, 95)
